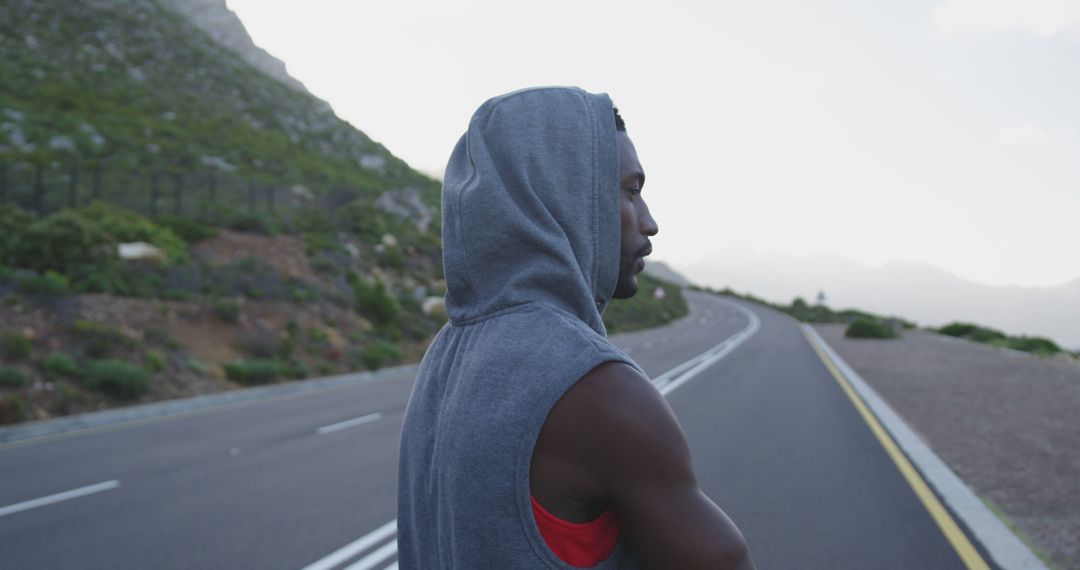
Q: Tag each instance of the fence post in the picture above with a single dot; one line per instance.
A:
(153, 194)
(73, 186)
(213, 187)
(39, 188)
(251, 196)
(178, 190)
(270, 198)
(3, 181)
(95, 192)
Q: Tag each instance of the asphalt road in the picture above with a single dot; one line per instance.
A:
(775, 443)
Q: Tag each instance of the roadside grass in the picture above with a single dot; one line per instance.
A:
(990, 504)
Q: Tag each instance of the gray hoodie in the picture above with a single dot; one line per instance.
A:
(531, 233)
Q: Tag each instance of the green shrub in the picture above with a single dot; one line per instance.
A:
(13, 221)
(14, 346)
(59, 365)
(13, 409)
(378, 353)
(49, 284)
(972, 331)
(864, 327)
(154, 361)
(11, 377)
(644, 310)
(197, 366)
(1034, 344)
(254, 371)
(67, 243)
(227, 310)
(188, 229)
(374, 302)
(297, 370)
(117, 378)
(98, 340)
(125, 226)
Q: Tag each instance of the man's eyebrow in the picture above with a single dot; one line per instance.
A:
(639, 176)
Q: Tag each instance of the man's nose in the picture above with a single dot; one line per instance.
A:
(647, 223)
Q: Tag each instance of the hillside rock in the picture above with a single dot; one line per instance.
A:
(225, 28)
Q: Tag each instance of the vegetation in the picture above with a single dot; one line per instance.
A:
(865, 327)
(14, 346)
(117, 378)
(11, 377)
(59, 365)
(1035, 345)
(646, 308)
(379, 353)
(255, 371)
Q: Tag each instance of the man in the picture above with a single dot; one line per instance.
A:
(530, 441)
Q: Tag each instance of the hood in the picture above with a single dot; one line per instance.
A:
(530, 206)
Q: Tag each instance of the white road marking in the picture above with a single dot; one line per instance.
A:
(349, 423)
(66, 495)
(368, 562)
(683, 373)
(666, 383)
(353, 548)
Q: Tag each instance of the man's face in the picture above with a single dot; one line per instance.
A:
(637, 223)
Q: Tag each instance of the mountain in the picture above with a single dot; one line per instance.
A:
(220, 23)
(123, 92)
(917, 291)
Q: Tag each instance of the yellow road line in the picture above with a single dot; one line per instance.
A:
(967, 552)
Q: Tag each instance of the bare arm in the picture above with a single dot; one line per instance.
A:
(628, 451)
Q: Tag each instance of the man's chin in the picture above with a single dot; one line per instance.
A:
(626, 288)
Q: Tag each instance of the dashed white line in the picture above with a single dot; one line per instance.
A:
(666, 383)
(355, 547)
(58, 497)
(371, 560)
(349, 423)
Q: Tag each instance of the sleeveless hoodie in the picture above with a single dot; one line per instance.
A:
(531, 239)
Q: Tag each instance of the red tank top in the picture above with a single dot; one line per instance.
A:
(578, 544)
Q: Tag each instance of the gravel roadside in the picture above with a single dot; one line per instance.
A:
(1007, 423)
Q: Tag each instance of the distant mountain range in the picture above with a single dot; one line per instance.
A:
(916, 291)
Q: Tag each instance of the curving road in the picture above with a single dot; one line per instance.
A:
(308, 480)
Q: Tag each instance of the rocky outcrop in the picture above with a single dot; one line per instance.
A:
(225, 28)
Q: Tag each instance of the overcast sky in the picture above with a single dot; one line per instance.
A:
(943, 131)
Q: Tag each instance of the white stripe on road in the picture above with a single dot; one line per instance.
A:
(66, 495)
(666, 383)
(349, 423)
(355, 547)
(683, 373)
(371, 560)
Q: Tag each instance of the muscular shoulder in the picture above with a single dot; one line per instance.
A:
(614, 422)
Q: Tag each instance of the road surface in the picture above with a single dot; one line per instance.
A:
(309, 480)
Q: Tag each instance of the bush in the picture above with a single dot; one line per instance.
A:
(373, 301)
(125, 226)
(13, 221)
(378, 353)
(14, 346)
(13, 409)
(227, 310)
(254, 371)
(154, 361)
(972, 331)
(1034, 344)
(50, 284)
(97, 340)
(864, 327)
(117, 378)
(69, 244)
(59, 365)
(188, 229)
(11, 377)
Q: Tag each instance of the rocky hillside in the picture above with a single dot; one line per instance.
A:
(180, 217)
